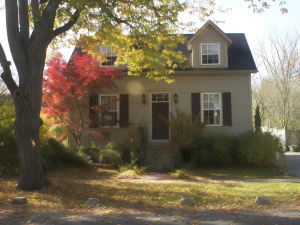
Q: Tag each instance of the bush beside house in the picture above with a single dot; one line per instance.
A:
(251, 149)
(207, 148)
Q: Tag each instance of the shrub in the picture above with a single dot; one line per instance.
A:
(130, 152)
(213, 149)
(8, 153)
(91, 153)
(185, 131)
(294, 148)
(110, 155)
(258, 149)
(57, 155)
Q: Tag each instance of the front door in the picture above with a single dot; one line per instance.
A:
(160, 116)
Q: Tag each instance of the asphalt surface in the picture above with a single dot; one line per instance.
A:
(206, 217)
(293, 163)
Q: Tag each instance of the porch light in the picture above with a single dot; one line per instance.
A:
(144, 99)
(175, 98)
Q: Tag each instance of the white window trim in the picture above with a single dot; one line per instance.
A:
(221, 109)
(118, 110)
(219, 54)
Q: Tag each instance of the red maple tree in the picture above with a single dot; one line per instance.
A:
(66, 88)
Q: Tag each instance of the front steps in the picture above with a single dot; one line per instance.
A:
(159, 156)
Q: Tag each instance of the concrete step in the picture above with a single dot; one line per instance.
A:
(159, 156)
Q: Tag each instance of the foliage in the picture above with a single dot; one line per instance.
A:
(67, 86)
(201, 147)
(7, 113)
(54, 154)
(91, 152)
(294, 148)
(214, 149)
(130, 152)
(57, 155)
(257, 119)
(8, 153)
(185, 132)
(110, 155)
(258, 149)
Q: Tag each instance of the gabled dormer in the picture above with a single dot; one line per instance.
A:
(208, 47)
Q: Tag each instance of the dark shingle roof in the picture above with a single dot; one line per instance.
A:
(239, 53)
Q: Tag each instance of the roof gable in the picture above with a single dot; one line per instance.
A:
(215, 27)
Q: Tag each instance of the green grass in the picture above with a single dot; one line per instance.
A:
(233, 173)
(70, 189)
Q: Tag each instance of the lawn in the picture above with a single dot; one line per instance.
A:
(70, 189)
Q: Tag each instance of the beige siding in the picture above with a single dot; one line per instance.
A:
(209, 35)
(140, 114)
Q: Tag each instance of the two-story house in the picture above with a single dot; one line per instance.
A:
(217, 86)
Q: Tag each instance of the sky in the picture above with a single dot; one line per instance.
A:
(240, 19)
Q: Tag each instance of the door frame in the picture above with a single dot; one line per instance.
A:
(150, 115)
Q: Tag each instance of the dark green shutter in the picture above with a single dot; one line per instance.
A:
(196, 105)
(227, 113)
(124, 110)
(93, 111)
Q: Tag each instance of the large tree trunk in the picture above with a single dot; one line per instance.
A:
(29, 153)
(28, 122)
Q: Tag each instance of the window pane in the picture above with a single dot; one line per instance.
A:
(205, 105)
(213, 49)
(103, 103)
(204, 48)
(114, 103)
(160, 97)
(109, 118)
(212, 117)
(204, 59)
(211, 105)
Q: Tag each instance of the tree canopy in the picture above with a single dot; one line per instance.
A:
(66, 88)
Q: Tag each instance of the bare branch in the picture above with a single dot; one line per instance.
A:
(7, 75)
(66, 26)
(41, 33)
(24, 20)
(13, 34)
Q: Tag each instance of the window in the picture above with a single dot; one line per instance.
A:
(164, 97)
(110, 55)
(109, 109)
(211, 109)
(210, 54)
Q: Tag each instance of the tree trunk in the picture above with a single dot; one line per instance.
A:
(27, 125)
(29, 153)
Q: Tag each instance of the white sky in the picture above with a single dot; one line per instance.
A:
(240, 19)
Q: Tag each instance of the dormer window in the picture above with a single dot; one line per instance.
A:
(110, 55)
(210, 53)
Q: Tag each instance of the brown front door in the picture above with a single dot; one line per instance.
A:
(160, 116)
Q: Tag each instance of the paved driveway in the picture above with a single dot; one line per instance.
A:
(293, 163)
